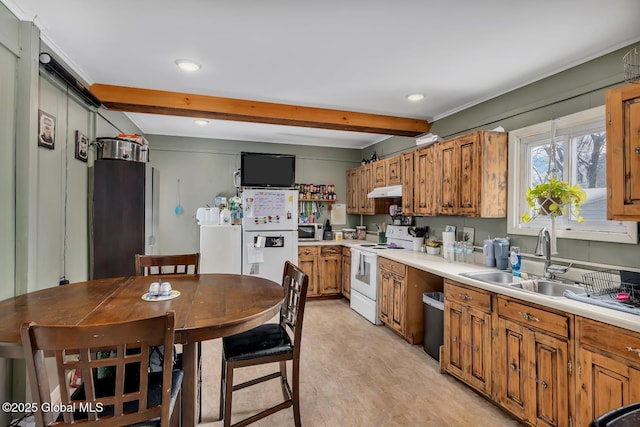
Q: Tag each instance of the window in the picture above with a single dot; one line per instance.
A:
(572, 148)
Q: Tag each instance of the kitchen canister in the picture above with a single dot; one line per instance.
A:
(487, 250)
(418, 243)
(348, 233)
(501, 251)
(361, 232)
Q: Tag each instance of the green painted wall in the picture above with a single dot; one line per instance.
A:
(8, 67)
(205, 169)
(576, 89)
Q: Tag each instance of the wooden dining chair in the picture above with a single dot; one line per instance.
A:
(628, 415)
(268, 343)
(167, 265)
(126, 395)
(154, 265)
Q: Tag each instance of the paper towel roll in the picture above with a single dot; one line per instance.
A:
(448, 239)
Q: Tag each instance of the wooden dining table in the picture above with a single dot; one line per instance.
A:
(209, 306)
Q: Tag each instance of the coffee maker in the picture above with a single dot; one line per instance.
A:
(328, 234)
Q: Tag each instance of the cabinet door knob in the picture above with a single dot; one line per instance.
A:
(637, 150)
(465, 297)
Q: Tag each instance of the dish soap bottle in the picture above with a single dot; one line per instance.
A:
(516, 261)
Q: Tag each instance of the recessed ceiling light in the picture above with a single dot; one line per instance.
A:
(188, 65)
(201, 122)
(415, 97)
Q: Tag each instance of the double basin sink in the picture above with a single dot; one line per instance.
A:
(545, 287)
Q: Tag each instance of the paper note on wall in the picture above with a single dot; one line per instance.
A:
(339, 213)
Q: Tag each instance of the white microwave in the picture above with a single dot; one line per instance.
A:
(310, 231)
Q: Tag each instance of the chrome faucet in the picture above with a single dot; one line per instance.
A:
(544, 238)
(550, 270)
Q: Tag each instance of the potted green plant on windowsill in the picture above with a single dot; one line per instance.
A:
(552, 197)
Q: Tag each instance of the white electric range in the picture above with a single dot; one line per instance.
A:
(364, 270)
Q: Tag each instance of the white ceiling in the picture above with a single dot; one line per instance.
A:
(354, 55)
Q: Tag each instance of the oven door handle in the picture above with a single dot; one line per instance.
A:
(361, 265)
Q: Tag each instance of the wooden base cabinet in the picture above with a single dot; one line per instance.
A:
(346, 272)
(467, 334)
(330, 271)
(533, 363)
(608, 371)
(392, 294)
(400, 290)
(308, 262)
(323, 265)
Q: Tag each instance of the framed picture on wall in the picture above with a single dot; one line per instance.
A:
(46, 130)
(82, 143)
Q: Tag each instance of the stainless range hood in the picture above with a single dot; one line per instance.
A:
(391, 191)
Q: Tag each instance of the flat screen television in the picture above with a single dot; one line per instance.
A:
(267, 170)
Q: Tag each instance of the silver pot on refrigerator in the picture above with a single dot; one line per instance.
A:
(121, 149)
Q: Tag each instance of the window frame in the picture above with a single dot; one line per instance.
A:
(517, 184)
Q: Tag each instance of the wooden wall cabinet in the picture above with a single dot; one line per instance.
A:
(533, 363)
(446, 193)
(400, 290)
(608, 369)
(346, 272)
(360, 181)
(423, 181)
(467, 334)
(471, 173)
(393, 167)
(465, 176)
(379, 173)
(353, 191)
(407, 183)
(623, 152)
(365, 181)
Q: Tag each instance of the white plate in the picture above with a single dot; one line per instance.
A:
(174, 294)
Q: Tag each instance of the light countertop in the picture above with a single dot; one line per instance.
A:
(436, 264)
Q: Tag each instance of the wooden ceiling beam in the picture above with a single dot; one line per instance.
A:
(136, 100)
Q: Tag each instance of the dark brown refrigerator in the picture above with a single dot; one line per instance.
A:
(124, 215)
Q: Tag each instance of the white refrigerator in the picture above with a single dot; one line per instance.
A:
(269, 231)
(221, 249)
